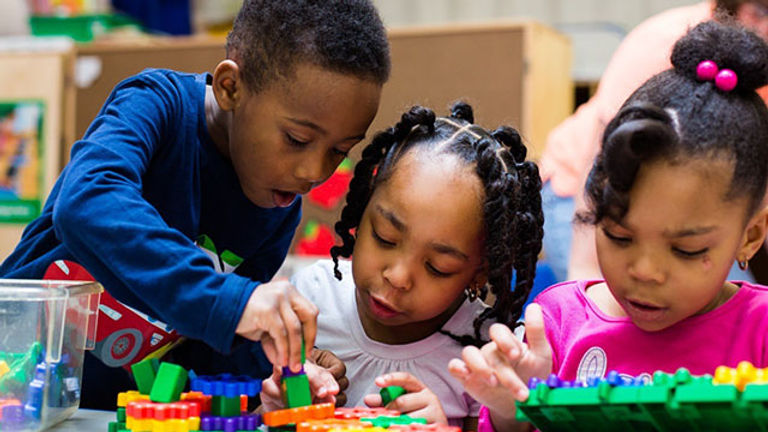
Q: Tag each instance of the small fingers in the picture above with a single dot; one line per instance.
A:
(372, 400)
(410, 383)
(477, 364)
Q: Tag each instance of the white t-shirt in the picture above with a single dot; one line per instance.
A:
(340, 331)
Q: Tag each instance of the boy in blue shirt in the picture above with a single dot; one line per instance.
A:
(174, 159)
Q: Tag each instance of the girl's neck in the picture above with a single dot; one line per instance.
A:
(406, 333)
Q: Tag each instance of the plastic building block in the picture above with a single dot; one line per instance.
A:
(417, 427)
(141, 410)
(365, 429)
(360, 412)
(4, 368)
(169, 383)
(226, 385)
(124, 398)
(230, 424)
(120, 414)
(203, 400)
(390, 393)
(386, 421)
(328, 424)
(296, 390)
(225, 406)
(144, 373)
(297, 415)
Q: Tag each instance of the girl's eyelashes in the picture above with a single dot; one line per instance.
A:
(381, 240)
(294, 141)
(437, 272)
(690, 254)
(617, 239)
(340, 152)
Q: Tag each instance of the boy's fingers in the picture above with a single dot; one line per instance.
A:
(535, 333)
(306, 312)
(270, 350)
(293, 332)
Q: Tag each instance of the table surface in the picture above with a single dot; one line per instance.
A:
(85, 420)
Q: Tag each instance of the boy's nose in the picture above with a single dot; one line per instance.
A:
(313, 169)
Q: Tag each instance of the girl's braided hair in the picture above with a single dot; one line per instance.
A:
(513, 217)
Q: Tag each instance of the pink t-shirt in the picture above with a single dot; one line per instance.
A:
(586, 342)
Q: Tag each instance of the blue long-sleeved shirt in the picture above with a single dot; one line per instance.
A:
(142, 185)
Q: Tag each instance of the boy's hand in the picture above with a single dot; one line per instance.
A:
(322, 384)
(279, 316)
(419, 401)
(497, 374)
(336, 368)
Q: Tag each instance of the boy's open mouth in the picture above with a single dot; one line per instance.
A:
(282, 198)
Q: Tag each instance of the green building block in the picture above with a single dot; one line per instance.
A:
(296, 391)
(224, 406)
(385, 422)
(121, 414)
(116, 426)
(390, 393)
(144, 373)
(169, 383)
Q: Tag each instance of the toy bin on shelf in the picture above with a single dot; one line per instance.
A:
(45, 328)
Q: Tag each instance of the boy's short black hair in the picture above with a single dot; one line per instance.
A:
(270, 37)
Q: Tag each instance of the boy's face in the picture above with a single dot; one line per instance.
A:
(669, 257)
(419, 244)
(293, 134)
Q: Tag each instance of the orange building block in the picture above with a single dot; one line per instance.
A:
(328, 424)
(360, 412)
(298, 415)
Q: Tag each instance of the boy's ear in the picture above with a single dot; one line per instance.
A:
(228, 86)
(754, 235)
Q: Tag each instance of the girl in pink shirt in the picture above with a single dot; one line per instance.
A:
(676, 196)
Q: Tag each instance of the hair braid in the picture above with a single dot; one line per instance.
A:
(362, 184)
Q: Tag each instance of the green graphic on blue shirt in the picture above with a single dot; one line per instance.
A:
(224, 262)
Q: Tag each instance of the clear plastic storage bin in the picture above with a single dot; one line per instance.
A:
(45, 326)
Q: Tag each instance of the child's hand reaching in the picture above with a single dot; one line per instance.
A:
(497, 374)
(323, 385)
(419, 401)
(278, 316)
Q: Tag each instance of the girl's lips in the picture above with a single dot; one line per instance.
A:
(640, 311)
(283, 199)
(380, 308)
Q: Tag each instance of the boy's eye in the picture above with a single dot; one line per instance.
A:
(619, 240)
(293, 141)
(690, 254)
(380, 240)
(340, 152)
(437, 272)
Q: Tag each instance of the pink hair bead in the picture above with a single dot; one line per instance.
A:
(706, 70)
(726, 80)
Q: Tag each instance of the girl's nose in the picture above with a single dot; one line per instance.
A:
(645, 268)
(398, 275)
